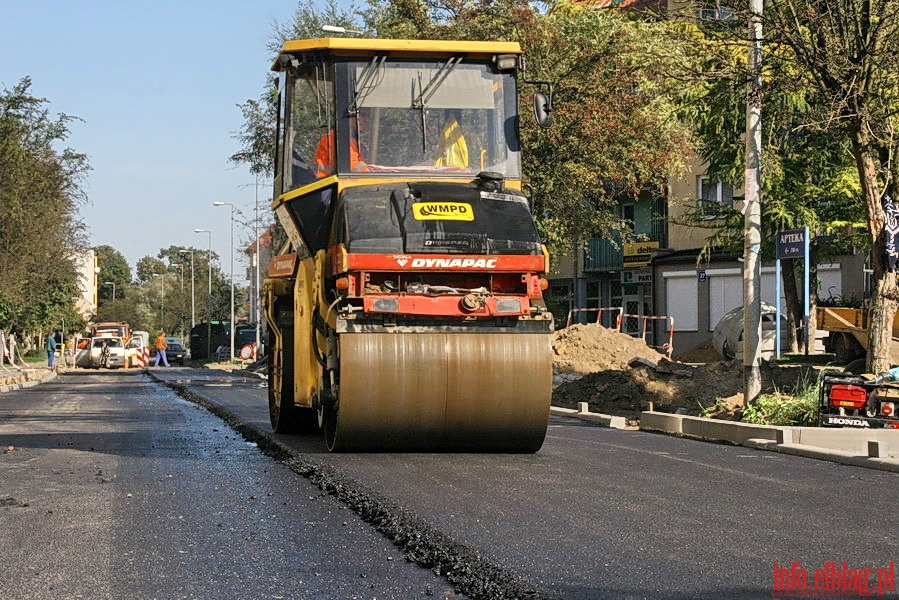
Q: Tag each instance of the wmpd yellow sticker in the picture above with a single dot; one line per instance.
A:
(442, 211)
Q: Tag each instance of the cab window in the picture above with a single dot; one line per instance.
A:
(308, 148)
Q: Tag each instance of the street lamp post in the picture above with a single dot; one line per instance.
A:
(232, 272)
(193, 310)
(256, 294)
(209, 301)
(112, 283)
(96, 286)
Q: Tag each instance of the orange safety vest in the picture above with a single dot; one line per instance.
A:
(325, 159)
(160, 343)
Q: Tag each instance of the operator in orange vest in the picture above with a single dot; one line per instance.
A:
(325, 153)
(160, 350)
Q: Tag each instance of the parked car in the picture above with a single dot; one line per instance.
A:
(727, 338)
(175, 353)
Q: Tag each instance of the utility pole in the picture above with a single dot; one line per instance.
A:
(256, 295)
(231, 204)
(752, 269)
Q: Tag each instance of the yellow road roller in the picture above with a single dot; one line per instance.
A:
(406, 309)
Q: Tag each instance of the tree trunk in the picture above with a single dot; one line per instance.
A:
(794, 306)
(812, 297)
(884, 297)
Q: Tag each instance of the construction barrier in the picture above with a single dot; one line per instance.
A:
(248, 352)
(666, 348)
(141, 357)
(599, 316)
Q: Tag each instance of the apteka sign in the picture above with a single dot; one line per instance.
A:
(791, 243)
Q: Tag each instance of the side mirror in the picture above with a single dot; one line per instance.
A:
(543, 110)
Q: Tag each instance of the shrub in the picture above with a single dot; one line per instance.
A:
(779, 408)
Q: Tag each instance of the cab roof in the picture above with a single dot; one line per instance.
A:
(342, 46)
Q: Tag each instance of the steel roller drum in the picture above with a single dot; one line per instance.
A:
(444, 391)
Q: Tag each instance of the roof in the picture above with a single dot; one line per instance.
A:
(265, 239)
(365, 46)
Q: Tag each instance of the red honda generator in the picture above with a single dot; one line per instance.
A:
(856, 401)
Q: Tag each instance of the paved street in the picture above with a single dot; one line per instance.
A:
(113, 487)
(603, 513)
(116, 486)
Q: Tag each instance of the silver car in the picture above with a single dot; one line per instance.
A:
(727, 338)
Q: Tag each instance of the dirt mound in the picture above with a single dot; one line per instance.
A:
(583, 349)
(702, 353)
(620, 375)
(668, 386)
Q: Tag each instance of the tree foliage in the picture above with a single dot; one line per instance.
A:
(256, 137)
(617, 131)
(114, 269)
(40, 229)
(849, 54)
(162, 297)
(809, 175)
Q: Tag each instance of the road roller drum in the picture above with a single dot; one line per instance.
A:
(443, 391)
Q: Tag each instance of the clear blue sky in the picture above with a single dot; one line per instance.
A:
(157, 84)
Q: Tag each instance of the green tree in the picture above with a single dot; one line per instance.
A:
(40, 229)
(131, 305)
(113, 268)
(149, 266)
(808, 174)
(169, 294)
(257, 134)
(617, 129)
(256, 137)
(849, 53)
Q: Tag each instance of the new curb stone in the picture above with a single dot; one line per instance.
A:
(873, 449)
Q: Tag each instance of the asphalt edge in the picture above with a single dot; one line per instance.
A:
(421, 543)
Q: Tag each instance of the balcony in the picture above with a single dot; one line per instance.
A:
(601, 255)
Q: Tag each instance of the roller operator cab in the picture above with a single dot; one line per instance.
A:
(406, 311)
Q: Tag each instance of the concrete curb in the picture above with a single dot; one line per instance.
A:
(27, 383)
(872, 449)
(583, 412)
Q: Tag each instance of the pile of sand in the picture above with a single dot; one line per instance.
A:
(582, 349)
(620, 375)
